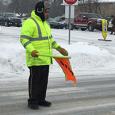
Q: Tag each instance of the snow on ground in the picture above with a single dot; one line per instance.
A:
(89, 56)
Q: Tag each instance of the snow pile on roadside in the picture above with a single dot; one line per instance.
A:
(12, 58)
(88, 57)
(84, 56)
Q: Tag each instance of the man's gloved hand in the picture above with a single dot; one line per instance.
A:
(34, 53)
(63, 51)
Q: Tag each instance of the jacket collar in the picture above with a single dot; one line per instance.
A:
(33, 15)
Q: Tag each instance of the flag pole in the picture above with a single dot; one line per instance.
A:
(45, 55)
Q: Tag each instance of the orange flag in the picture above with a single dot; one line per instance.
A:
(66, 67)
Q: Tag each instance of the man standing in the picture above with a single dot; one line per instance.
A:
(37, 40)
(113, 25)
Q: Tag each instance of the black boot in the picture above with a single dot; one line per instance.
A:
(45, 103)
(33, 104)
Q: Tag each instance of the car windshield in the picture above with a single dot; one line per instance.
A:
(92, 15)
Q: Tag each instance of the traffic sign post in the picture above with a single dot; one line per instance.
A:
(69, 3)
(69, 23)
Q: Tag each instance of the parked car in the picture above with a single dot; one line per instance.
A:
(88, 21)
(56, 23)
(10, 19)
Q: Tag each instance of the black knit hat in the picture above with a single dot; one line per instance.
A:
(39, 7)
(39, 10)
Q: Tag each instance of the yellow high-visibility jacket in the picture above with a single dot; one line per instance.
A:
(36, 35)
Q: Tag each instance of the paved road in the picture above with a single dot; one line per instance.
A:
(92, 96)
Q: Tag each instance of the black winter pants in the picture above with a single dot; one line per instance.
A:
(37, 83)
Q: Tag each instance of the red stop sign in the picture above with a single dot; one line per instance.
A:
(70, 2)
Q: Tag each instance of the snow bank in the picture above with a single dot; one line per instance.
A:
(88, 54)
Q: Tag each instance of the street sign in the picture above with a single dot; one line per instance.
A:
(70, 2)
(69, 13)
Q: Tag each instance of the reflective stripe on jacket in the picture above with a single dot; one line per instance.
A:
(36, 35)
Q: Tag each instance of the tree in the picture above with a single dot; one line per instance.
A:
(22, 6)
(90, 6)
(56, 8)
